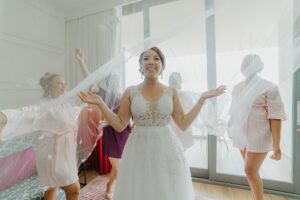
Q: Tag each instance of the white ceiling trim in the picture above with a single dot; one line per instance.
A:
(92, 8)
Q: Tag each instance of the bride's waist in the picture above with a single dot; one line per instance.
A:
(150, 129)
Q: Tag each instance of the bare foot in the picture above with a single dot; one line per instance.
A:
(109, 196)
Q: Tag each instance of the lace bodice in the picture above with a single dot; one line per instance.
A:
(148, 113)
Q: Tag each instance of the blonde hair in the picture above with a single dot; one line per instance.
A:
(46, 81)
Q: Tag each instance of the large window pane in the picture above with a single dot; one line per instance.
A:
(264, 28)
(186, 53)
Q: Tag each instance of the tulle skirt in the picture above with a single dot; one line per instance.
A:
(153, 167)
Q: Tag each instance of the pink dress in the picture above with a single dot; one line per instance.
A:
(257, 131)
(56, 140)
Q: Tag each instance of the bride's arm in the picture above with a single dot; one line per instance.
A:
(117, 121)
(183, 120)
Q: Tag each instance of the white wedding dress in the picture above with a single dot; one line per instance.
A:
(153, 166)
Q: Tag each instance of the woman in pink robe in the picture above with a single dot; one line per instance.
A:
(255, 121)
(57, 143)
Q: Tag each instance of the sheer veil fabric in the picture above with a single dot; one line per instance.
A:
(65, 127)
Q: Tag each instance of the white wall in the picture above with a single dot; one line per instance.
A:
(31, 43)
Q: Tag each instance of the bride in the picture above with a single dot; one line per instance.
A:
(153, 165)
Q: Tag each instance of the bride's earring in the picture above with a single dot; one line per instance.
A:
(142, 75)
(161, 75)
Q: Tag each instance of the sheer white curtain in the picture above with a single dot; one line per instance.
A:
(99, 36)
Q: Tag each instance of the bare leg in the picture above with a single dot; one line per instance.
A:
(50, 194)
(113, 173)
(72, 191)
(253, 162)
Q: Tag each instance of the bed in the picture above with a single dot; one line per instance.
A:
(27, 188)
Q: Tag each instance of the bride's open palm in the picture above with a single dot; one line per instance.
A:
(89, 97)
(214, 92)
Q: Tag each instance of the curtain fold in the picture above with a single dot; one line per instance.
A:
(99, 36)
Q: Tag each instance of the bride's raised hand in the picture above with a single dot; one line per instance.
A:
(214, 92)
(89, 97)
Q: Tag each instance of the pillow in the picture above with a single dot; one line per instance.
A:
(16, 167)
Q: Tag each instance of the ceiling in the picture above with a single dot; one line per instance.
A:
(76, 4)
(78, 8)
(239, 23)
